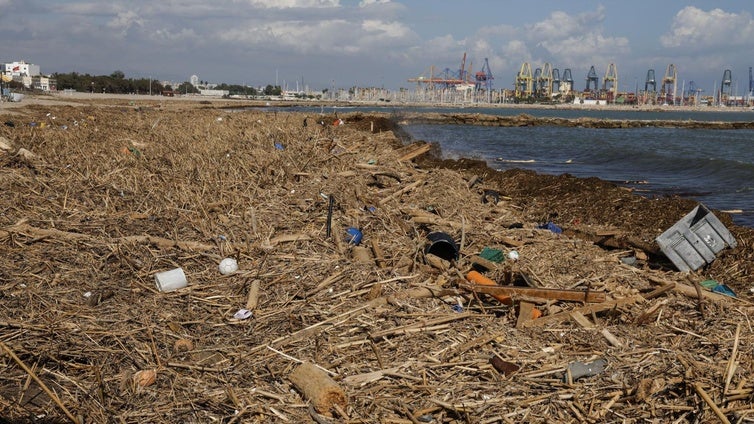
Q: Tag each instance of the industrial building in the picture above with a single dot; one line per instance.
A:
(546, 84)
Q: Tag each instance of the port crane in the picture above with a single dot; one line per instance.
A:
(566, 82)
(524, 81)
(610, 82)
(544, 82)
(669, 81)
(555, 80)
(650, 81)
(591, 77)
(447, 78)
(726, 86)
(483, 77)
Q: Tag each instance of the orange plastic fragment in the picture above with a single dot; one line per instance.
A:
(535, 313)
(477, 278)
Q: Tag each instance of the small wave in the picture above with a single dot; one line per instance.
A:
(515, 160)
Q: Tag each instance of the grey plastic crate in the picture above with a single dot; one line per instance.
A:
(695, 240)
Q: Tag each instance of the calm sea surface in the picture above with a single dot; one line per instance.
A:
(715, 167)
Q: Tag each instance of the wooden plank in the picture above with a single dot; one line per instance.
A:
(543, 293)
(415, 152)
(588, 309)
(524, 313)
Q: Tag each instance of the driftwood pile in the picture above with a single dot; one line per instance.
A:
(313, 328)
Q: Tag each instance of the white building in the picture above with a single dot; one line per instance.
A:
(217, 93)
(41, 82)
(18, 69)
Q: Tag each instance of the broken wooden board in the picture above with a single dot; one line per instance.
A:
(542, 293)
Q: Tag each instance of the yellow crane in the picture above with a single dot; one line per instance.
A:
(524, 81)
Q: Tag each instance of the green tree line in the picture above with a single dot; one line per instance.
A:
(118, 83)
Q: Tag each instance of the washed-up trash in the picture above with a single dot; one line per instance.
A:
(279, 146)
(442, 245)
(578, 369)
(695, 240)
(493, 255)
(629, 260)
(513, 255)
(243, 314)
(723, 289)
(477, 278)
(171, 280)
(716, 287)
(490, 196)
(228, 266)
(551, 226)
(503, 367)
(457, 308)
(353, 236)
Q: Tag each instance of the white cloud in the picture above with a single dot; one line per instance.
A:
(290, 4)
(124, 20)
(328, 36)
(571, 39)
(365, 3)
(379, 30)
(167, 36)
(696, 29)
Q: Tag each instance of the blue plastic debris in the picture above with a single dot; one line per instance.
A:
(353, 236)
(723, 289)
(457, 308)
(551, 226)
(279, 146)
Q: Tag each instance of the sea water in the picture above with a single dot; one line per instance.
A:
(715, 167)
(711, 166)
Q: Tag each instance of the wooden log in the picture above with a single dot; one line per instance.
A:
(415, 152)
(321, 390)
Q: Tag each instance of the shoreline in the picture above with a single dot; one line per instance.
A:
(77, 98)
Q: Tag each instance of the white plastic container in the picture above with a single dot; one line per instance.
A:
(171, 280)
(695, 240)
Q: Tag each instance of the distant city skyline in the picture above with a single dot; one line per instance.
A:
(381, 43)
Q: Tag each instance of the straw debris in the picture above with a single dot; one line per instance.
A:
(383, 333)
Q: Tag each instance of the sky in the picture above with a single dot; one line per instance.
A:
(382, 43)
